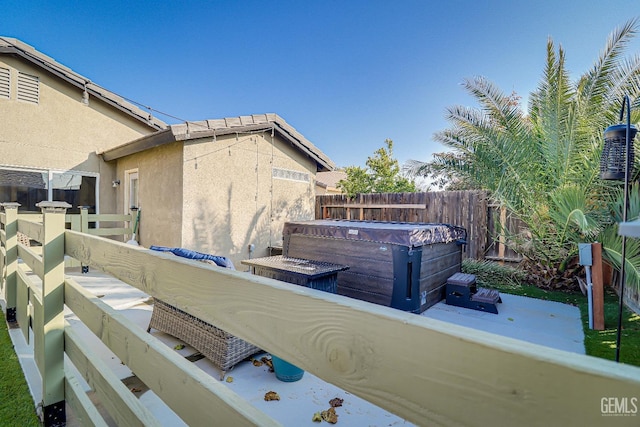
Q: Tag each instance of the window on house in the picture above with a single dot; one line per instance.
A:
(75, 189)
(29, 187)
(28, 88)
(5, 83)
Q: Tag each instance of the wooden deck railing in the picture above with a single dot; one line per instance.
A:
(426, 371)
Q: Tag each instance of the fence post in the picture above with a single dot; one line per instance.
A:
(84, 219)
(84, 228)
(53, 403)
(11, 286)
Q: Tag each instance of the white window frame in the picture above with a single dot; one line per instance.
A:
(130, 175)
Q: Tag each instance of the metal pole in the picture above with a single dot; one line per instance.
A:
(625, 102)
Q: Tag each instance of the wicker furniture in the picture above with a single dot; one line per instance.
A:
(221, 348)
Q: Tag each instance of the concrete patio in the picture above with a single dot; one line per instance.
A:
(540, 322)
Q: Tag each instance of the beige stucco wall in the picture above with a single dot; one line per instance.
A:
(61, 132)
(231, 199)
(160, 193)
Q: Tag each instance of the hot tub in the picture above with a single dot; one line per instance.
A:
(399, 265)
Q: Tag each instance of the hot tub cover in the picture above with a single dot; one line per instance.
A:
(411, 234)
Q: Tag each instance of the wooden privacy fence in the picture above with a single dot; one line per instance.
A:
(420, 369)
(468, 209)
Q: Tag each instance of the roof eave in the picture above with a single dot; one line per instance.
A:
(81, 83)
(141, 144)
(182, 132)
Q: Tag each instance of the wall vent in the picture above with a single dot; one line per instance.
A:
(290, 175)
(5, 83)
(28, 88)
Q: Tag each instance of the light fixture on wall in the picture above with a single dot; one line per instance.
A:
(115, 183)
(615, 164)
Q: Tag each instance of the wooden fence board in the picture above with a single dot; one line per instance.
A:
(32, 229)
(85, 412)
(22, 302)
(109, 231)
(123, 406)
(421, 374)
(196, 398)
(468, 209)
(462, 208)
(109, 217)
(32, 259)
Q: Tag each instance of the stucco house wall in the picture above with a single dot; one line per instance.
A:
(240, 179)
(160, 193)
(68, 124)
(223, 186)
(233, 197)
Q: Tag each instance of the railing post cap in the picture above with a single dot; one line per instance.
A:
(53, 206)
(10, 205)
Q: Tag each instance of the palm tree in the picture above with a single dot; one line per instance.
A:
(543, 165)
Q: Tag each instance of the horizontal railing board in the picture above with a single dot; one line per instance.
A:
(32, 259)
(33, 217)
(109, 231)
(121, 404)
(85, 412)
(426, 371)
(34, 230)
(376, 205)
(196, 397)
(109, 217)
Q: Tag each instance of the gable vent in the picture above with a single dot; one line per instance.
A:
(5, 83)
(28, 88)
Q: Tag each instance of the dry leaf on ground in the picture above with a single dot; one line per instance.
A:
(271, 395)
(336, 402)
(267, 362)
(330, 416)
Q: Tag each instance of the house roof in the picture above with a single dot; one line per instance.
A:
(11, 46)
(217, 127)
(330, 179)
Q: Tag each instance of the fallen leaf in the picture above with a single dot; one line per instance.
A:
(317, 417)
(229, 379)
(135, 390)
(178, 347)
(271, 395)
(256, 362)
(336, 402)
(330, 416)
(510, 319)
(267, 362)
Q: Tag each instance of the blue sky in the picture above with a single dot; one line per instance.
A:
(346, 74)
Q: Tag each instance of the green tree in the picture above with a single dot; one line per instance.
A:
(382, 175)
(543, 165)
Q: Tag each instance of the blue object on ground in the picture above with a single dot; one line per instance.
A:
(285, 371)
(187, 253)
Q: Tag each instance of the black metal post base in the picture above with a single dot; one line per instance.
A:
(85, 269)
(11, 315)
(55, 415)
